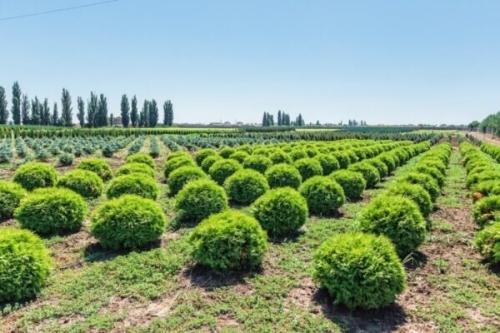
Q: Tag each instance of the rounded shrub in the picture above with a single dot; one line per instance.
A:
(239, 156)
(86, 183)
(209, 161)
(283, 175)
(98, 166)
(141, 158)
(433, 172)
(50, 211)
(281, 211)
(487, 242)
(369, 172)
(343, 159)
(200, 199)
(226, 152)
(424, 180)
(328, 163)
(396, 217)
(258, 163)
(308, 167)
(359, 270)
(414, 192)
(222, 169)
(180, 177)
(487, 187)
(486, 210)
(135, 169)
(10, 197)
(202, 154)
(177, 162)
(381, 167)
(279, 156)
(229, 241)
(137, 184)
(298, 153)
(66, 159)
(128, 222)
(245, 186)
(389, 161)
(352, 183)
(34, 175)
(25, 265)
(324, 196)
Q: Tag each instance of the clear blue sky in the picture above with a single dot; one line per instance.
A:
(388, 62)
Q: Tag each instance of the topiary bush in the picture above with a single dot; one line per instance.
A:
(34, 175)
(433, 172)
(202, 154)
(180, 177)
(86, 183)
(324, 196)
(25, 265)
(98, 166)
(359, 270)
(486, 209)
(141, 158)
(200, 199)
(50, 211)
(281, 211)
(283, 175)
(134, 169)
(352, 183)
(128, 222)
(416, 193)
(396, 217)
(258, 163)
(66, 159)
(137, 184)
(424, 180)
(239, 156)
(369, 172)
(278, 156)
(10, 197)
(487, 242)
(177, 162)
(222, 169)
(229, 241)
(308, 167)
(245, 186)
(328, 163)
(226, 152)
(209, 161)
(381, 167)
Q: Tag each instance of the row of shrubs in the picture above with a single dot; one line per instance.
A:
(483, 179)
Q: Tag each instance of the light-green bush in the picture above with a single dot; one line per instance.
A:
(352, 183)
(245, 186)
(86, 183)
(34, 175)
(486, 210)
(487, 242)
(134, 183)
(98, 166)
(308, 167)
(283, 175)
(141, 158)
(134, 169)
(222, 169)
(183, 175)
(10, 196)
(324, 196)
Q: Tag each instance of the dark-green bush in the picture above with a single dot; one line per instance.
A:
(328, 163)
(283, 175)
(324, 196)
(25, 265)
(414, 192)
(66, 159)
(222, 169)
(486, 210)
(229, 241)
(359, 270)
(352, 183)
(10, 196)
(258, 163)
(369, 172)
(98, 166)
(49, 211)
(141, 158)
(34, 175)
(396, 217)
(128, 222)
(308, 167)
(424, 180)
(487, 242)
(245, 186)
(281, 211)
(135, 169)
(134, 183)
(180, 177)
(86, 183)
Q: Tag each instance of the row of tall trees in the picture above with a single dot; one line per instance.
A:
(149, 114)
(490, 124)
(283, 119)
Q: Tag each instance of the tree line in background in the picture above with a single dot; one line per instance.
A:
(490, 124)
(282, 119)
(94, 113)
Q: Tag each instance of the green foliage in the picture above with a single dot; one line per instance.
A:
(433, 172)
(135, 169)
(381, 167)
(487, 242)
(283, 175)
(245, 186)
(324, 196)
(86, 183)
(328, 163)
(222, 169)
(66, 159)
(226, 152)
(10, 197)
(128, 222)
(209, 161)
(257, 163)
(200, 199)
(183, 175)
(25, 265)
(424, 180)
(50, 211)
(202, 154)
(281, 211)
(229, 240)
(359, 270)
(487, 209)
(134, 183)
(177, 162)
(239, 156)
(33, 175)
(487, 187)
(396, 217)
(278, 156)
(369, 172)
(414, 192)
(308, 167)
(141, 158)
(98, 166)
(352, 183)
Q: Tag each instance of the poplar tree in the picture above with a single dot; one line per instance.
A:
(81, 111)
(134, 116)
(153, 114)
(92, 110)
(102, 111)
(55, 116)
(25, 110)
(168, 113)
(4, 112)
(125, 111)
(66, 109)
(45, 113)
(16, 103)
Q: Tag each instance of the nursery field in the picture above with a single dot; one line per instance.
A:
(227, 231)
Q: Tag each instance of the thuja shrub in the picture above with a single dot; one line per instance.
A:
(66, 159)
(487, 242)
(258, 163)
(343, 159)
(25, 265)
(86, 183)
(141, 158)
(209, 161)
(433, 172)
(328, 163)
(424, 180)
(229, 241)
(283, 175)
(308, 167)
(369, 172)
(34, 175)
(222, 169)
(10, 197)
(226, 152)
(135, 169)
(324, 196)
(486, 210)
(202, 154)
(180, 177)
(298, 153)
(487, 187)
(50, 211)
(239, 156)
(245, 186)
(396, 217)
(98, 166)
(177, 162)
(137, 184)
(200, 199)
(414, 192)
(352, 183)
(128, 222)
(282, 212)
(381, 167)
(359, 270)
(389, 161)
(279, 156)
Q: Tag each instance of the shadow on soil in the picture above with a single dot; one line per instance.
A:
(209, 279)
(95, 252)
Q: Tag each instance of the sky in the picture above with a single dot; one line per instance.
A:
(385, 62)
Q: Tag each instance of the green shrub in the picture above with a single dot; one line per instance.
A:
(298, 153)
(34, 175)
(283, 175)
(209, 161)
(50, 211)
(487, 187)
(86, 183)
(229, 241)
(487, 242)
(176, 154)
(245, 186)
(381, 167)
(414, 192)
(328, 163)
(343, 159)
(257, 163)
(359, 270)
(222, 169)
(226, 152)
(98, 166)
(433, 172)
(239, 156)
(136, 184)
(281, 211)
(279, 156)
(141, 158)
(369, 172)
(66, 159)
(177, 162)
(135, 169)
(396, 217)
(200, 199)
(324, 196)
(25, 265)
(424, 180)
(486, 209)
(308, 167)
(202, 154)
(128, 222)
(10, 197)
(352, 183)
(180, 177)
